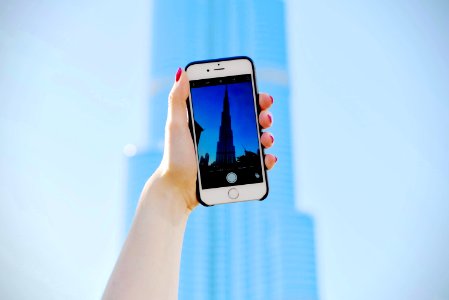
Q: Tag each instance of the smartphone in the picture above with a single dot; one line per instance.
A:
(223, 115)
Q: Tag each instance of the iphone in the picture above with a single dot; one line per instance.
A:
(223, 112)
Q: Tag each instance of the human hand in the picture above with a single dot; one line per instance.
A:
(178, 169)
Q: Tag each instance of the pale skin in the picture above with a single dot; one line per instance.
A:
(149, 263)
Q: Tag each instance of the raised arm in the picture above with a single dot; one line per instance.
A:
(149, 264)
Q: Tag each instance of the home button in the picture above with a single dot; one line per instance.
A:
(233, 193)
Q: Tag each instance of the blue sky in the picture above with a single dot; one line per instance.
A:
(208, 105)
(370, 100)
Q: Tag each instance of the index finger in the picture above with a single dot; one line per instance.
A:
(265, 101)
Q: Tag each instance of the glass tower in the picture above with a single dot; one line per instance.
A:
(225, 144)
(253, 250)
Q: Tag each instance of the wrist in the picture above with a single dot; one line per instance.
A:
(163, 199)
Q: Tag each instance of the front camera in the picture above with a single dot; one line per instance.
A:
(207, 70)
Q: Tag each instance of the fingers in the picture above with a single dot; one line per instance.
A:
(177, 99)
(270, 161)
(265, 101)
(266, 120)
(267, 139)
(265, 117)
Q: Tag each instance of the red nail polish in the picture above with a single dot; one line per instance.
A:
(269, 117)
(275, 159)
(272, 100)
(272, 139)
(178, 74)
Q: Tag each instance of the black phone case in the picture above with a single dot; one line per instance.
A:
(191, 127)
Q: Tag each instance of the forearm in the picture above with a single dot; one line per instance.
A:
(148, 266)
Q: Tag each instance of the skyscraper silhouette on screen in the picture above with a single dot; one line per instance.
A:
(225, 144)
(251, 250)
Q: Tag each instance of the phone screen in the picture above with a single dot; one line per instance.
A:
(226, 131)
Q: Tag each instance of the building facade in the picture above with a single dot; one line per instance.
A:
(252, 250)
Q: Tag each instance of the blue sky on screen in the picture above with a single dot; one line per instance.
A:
(207, 108)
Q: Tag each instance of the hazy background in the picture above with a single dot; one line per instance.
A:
(370, 94)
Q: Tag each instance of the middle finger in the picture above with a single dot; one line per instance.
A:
(265, 119)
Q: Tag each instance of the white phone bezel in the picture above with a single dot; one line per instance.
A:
(215, 69)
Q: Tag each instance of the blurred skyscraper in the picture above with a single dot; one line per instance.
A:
(254, 250)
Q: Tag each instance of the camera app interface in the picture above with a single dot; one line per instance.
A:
(226, 131)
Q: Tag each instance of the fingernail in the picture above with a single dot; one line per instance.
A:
(275, 159)
(272, 100)
(272, 139)
(269, 117)
(178, 74)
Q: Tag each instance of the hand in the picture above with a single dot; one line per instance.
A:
(178, 169)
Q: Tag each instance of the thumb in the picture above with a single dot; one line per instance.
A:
(177, 109)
